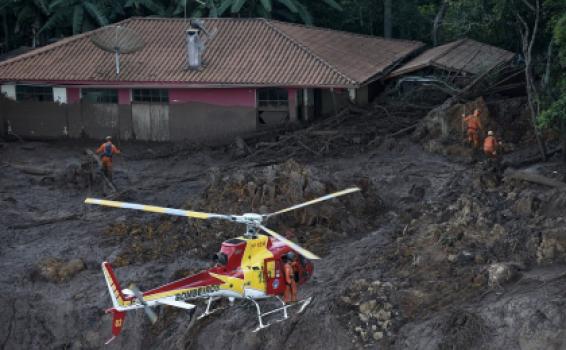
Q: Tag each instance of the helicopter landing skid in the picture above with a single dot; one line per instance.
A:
(302, 303)
(208, 311)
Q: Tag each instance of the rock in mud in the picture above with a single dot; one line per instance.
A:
(445, 121)
(375, 316)
(57, 270)
(552, 248)
(501, 273)
(526, 205)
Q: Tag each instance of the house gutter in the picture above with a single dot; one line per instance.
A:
(167, 85)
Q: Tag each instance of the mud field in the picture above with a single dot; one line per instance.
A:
(435, 252)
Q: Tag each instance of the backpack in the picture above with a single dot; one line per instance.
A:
(107, 150)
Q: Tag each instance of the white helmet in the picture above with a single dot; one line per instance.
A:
(490, 133)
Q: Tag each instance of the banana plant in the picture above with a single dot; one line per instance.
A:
(288, 9)
(82, 14)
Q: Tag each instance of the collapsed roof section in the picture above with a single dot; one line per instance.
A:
(465, 55)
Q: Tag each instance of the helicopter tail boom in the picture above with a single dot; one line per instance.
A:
(118, 299)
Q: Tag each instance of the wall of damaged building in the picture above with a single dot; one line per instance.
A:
(217, 97)
(35, 119)
(99, 120)
(183, 119)
(332, 101)
(210, 123)
(211, 115)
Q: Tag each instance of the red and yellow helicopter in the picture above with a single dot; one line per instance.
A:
(248, 267)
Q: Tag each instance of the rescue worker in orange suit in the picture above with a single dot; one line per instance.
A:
(107, 150)
(290, 295)
(473, 127)
(490, 146)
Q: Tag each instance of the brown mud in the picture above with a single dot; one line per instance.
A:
(436, 252)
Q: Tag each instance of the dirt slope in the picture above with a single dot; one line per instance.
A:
(411, 272)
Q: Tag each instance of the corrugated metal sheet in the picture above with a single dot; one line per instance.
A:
(464, 55)
(245, 52)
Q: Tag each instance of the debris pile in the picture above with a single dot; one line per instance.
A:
(260, 190)
(157, 240)
(270, 188)
(57, 270)
(352, 129)
(461, 329)
(369, 310)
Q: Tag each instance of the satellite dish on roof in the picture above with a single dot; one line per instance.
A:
(119, 40)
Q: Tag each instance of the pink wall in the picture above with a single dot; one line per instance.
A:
(219, 97)
(73, 95)
(292, 93)
(123, 96)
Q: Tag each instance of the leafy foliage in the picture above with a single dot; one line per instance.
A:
(555, 114)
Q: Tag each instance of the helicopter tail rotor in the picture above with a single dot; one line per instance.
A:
(148, 311)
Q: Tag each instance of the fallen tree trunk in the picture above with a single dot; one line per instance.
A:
(404, 131)
(99, 162)
(47, 221)
(511, 174)
(31, 170)
(531, 160)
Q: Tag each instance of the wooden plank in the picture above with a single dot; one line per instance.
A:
(99, 162)
(159, 122)
(141, 119)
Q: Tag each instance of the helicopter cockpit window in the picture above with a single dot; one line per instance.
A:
(220, 258)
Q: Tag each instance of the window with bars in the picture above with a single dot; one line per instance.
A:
(100, 95)
(272, 97)
(34, 93)
(150, 95)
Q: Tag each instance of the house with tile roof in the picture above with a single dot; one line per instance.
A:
(252, 73)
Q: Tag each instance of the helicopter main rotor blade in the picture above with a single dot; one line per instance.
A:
(307, 254)
(314, 201)
(154, 209)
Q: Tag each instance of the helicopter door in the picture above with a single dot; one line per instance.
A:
(273, 277)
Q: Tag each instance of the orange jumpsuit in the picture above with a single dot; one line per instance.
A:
(107, 160)
(473, 125)
(490, 147)
(290, 284)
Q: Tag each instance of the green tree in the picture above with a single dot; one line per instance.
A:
(163, 8)
(292, 10)
(555, 115)
(27, 17)
(82, 15)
